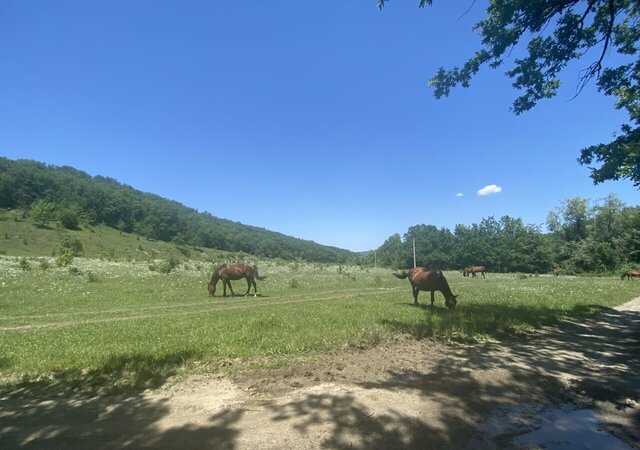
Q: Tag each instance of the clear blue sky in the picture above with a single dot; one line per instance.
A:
(313, 119)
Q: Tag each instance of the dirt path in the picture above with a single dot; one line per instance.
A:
(408, 394)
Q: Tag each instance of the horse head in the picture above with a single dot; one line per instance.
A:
(451, 302)
(212, 288)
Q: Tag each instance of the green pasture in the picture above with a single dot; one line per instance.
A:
(103, 323)
(21, 236)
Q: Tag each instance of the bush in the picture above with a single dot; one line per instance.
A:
(168, 265)
(71, 245)
(69, 219)
(64, 259)
(24, 264)
(42, 212)
(44, 264)
(92, 277)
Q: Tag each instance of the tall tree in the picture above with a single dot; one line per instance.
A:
(557, 32)
(571, 219)
(42, 212)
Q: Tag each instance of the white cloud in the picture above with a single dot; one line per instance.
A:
(490, 189)
(459, 194)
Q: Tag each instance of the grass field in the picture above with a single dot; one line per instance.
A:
(112, 324)
(20, 236)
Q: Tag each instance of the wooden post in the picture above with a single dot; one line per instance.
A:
(414, 253)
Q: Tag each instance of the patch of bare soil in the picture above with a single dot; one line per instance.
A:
(405, 394)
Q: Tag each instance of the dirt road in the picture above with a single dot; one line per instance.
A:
(408, 394)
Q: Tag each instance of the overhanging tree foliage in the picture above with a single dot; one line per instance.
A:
(557, 32)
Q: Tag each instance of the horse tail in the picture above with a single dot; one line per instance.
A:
(402, 275)
(258, 277)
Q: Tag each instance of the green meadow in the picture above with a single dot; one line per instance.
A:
(102, 323)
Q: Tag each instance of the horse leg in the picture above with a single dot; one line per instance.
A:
(482, 274)
(415, 294)
(432, 299)
(224, 288)
(233, 294)
(248, 286)
(255, 288)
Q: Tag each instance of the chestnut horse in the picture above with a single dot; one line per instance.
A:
(227, 272)
(630, 273)
(472, 270)
(432, 280)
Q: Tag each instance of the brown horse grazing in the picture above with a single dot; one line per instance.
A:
(227, 272)
(432, 280)
(472, 270)
(630, 273)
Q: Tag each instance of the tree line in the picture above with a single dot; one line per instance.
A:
(582, 236)
(74, 198)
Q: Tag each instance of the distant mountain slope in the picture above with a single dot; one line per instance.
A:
(100, 200)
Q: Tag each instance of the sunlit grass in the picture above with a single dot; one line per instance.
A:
(116, 320)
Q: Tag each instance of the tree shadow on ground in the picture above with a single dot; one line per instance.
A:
(355, 425)
(496, 320)
(119, 374)
(5, 362)
(104, 408)
(593, 359)
(597, 354)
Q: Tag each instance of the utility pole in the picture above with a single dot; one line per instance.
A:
(414, 252)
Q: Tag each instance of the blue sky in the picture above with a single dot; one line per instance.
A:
(311, 119)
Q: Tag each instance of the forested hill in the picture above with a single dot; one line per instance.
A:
(74, 197)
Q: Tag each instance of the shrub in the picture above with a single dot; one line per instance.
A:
(24, 264)
(64, 259)
(44, 264)
(168, 265)
(71, 245)
(42, 212)
(69, 219)
(92, 277)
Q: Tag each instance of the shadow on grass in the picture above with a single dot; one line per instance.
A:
(600, 352)
(496, 320)
(119, 374)
(237, 295)
(5, 362)
(596, 348)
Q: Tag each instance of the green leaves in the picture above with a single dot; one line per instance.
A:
(42, 212)
(548, 34)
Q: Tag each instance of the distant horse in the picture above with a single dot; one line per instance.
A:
(432, 280)
(472, 270)
(227, 272)
(556, 272)
(630, 273)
